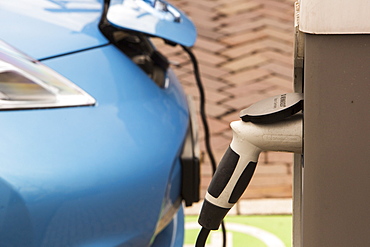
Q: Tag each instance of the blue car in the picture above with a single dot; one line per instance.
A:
(98, 144)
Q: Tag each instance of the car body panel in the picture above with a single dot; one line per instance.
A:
(92, 176)
(170, 236)
(51, 27)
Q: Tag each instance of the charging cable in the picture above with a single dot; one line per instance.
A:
(202, 237)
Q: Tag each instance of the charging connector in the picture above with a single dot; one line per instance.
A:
(277, 128)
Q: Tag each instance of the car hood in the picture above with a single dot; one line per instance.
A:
(47, 28)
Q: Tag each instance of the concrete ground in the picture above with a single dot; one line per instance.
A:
(252, 207)
(245, 51)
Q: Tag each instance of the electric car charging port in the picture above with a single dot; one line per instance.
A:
(140, 50)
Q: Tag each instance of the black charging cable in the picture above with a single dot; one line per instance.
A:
(203, 234)
(202, 238)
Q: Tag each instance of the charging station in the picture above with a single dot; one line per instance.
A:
(332, 174)
(332, 60)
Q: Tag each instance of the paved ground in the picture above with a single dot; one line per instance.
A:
(252, 207)
(245, 50)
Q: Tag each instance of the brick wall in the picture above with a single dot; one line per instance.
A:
(245, 50)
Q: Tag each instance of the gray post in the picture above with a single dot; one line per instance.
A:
(336, 177)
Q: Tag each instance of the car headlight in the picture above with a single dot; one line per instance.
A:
(28, 84)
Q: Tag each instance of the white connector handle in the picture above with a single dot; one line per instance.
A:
(239, 162)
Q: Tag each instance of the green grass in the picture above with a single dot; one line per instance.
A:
(280, 226)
